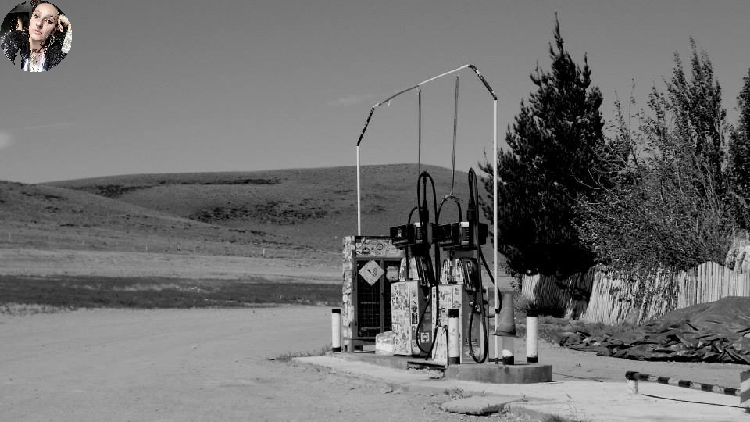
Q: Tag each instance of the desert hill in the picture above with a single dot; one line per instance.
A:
(286, 213)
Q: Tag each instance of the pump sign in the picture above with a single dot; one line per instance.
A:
(371, 272)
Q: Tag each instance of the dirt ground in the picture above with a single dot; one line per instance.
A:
(213, 364)
(186, 365)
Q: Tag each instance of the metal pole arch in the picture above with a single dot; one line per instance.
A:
(417, 86)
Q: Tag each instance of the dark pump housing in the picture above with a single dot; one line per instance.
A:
(414, 234)
(460, 234)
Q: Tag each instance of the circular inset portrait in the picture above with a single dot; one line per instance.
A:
(36, 35)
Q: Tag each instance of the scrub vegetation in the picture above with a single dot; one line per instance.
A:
(146, 293)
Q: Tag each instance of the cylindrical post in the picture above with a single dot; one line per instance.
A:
(532, 335)
(632, 378)
(336, 330)
(454, 338)
(494, 226)
(745, 390)
(632, 386)
(498, 346)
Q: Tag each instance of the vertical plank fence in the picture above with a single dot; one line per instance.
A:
(598, 297)
(710, 282)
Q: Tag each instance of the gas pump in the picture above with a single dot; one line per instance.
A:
(410, 296)
(460, 285)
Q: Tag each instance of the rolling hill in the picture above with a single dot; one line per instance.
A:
(284, 213)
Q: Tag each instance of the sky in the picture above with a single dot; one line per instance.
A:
(237, 85)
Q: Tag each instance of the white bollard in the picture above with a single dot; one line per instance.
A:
(454, 338)
(336, 330)
(532, 336)
(632, 386)
(632, 378)
(745, 390)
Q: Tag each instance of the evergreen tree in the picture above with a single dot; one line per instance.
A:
(551, 162)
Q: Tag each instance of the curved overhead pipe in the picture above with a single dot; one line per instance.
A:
(415, 87)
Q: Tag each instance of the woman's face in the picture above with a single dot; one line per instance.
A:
(43, 22)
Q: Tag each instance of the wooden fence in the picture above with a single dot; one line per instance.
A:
(710, 282)
(598, 297)
(613, 300)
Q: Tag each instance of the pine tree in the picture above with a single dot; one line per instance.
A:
(551, 162)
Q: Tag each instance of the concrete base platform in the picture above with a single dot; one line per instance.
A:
(530, 373)
(389, 361)
(523, 373)
(568, 400)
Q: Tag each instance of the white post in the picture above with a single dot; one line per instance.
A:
(336, 330)
(632, 381)
(494, 229)
(745, 390)
(359, 211)
(532, 335)
(632, 386)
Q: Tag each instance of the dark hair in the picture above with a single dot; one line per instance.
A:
(59, 12)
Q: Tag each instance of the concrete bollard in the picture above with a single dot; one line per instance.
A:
(532, 336)
(632, 382)
(454, 338)
(632, 386)
(745, 390)
(336, 330)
